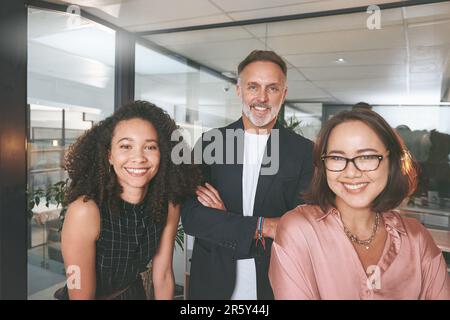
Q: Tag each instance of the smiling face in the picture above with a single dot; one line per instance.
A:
(135, 154)
(262, 89)
(356, 189)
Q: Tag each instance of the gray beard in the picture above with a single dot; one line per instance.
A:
(257, 122)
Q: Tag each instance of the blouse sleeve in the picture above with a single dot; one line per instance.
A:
(291, 269)
(435, 278)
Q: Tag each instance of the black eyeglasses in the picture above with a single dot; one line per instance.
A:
(362, 163)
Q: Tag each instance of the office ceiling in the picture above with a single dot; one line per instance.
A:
(145, 15)
(403, 62)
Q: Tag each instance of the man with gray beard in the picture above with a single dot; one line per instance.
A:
(235, 214)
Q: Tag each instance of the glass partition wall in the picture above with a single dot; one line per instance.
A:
(70, 87)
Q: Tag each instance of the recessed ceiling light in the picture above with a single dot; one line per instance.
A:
(229, 74)
(340, 60)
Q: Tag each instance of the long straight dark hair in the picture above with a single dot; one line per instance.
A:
(403, 170)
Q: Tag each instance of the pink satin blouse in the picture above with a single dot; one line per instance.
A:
(312, 258)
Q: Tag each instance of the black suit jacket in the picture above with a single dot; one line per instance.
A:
(223, 237)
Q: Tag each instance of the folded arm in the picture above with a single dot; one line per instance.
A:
(226, 229)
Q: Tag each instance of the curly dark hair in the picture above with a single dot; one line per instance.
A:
(89, 170)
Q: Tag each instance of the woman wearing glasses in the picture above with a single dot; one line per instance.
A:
(348, 242)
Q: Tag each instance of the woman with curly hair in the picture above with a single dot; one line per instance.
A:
(123, 205)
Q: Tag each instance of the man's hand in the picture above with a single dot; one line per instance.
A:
(210, 197)
(269, 229)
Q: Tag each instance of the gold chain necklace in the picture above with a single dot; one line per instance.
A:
(366, 242)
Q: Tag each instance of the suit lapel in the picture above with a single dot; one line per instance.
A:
(233, 187)
(265, 181)
(233, 172)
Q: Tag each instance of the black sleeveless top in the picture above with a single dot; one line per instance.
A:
(127, 243)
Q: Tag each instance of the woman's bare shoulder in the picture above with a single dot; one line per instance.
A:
(83, 215)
